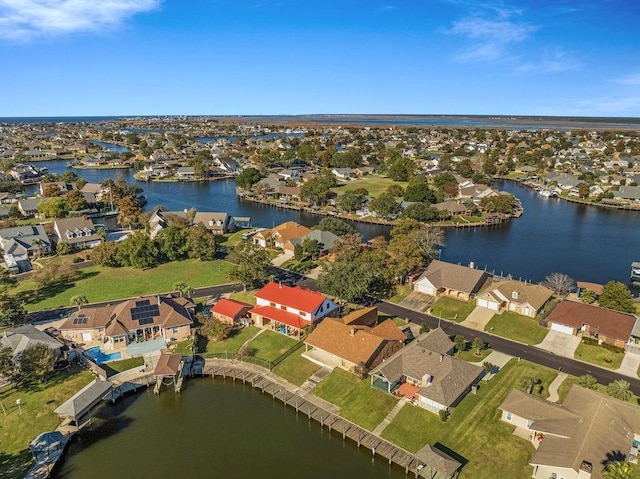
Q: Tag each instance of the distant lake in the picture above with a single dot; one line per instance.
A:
(110, 146)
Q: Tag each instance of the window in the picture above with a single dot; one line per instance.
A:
(509, 416)
(283, 307)
(175, 330)
(529, 423)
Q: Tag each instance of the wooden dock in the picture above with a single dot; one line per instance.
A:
(308, 407)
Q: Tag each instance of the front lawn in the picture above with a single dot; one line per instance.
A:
(358, 401)
(115, 367)
(99, 283)
(232, 344)
(517, 327)
(401, 292)
(599, 356)
(296, 369)
(474, 429)
(452, 309)
(271, 345)
(469, 354)
(17, 429)
(567, 384)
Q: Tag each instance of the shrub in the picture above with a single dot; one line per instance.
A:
(444, 415)
(77, 259)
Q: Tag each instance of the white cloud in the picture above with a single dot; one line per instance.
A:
(552, 60)
(25, 19)
(632, 80)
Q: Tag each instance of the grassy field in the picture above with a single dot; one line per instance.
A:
(271, 345)
(599, 356)
(469, 354)
(474, 430)
(358, 401)
(452, 309)
(115, 367)
(248, 297)
(296, 369)
(515, 326)
(17, 430)
(231, 345)
(374, 185)
(99, 283)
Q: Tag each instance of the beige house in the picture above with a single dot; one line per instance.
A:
(77, 232)
(134, 320)
(447, 279)
(277, 237)
(516, 296)
(574, 440)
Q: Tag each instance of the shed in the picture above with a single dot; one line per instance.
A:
(84, 400)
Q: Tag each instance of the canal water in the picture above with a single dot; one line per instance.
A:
(587, 243)
(213, 429)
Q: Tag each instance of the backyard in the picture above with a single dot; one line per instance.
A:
(232, 344)
(358, 401)
(517, 327)
(99, 283)
(296, 369)
(374, 184)
(452, 309)
(35, 415)
(474, 430)
(271, 345)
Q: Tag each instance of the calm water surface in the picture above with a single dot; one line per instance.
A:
(587, 243)
(214, 429)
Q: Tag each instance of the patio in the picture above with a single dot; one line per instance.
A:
(407, 391)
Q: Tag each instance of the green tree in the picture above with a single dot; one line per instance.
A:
(347, 248)
(6, 281)
(354, 281)
(615, 295)
(76, 201)
(250, 264)
(384, 205)
(395, 190)
(213, 329)
(12, 310)
(184, 289)
(172, 242)
(335, 225)
(138, 251)
(618, 470)
(350, 201)
(201, 243)
(63, 248)
(248, 177)
(106, 254)
(130, 211)
(318, 189)
(418, 191)
(421, 212)
(36, 363)
(7, 368)
(619, 389)
(587, 381)
(588, 296)
(583, 190)
(53, 207)
(401, 169)
(478, 345)
(498, 203)
(530, 384)
(79, 300)
(460, 343)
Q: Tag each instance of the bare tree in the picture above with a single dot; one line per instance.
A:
(560, 283)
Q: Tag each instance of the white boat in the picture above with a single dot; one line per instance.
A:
(544, 193)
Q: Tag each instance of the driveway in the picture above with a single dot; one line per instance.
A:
(281, 259)
(478, 318)
(630, 365)
(417, 301)
(559, 343)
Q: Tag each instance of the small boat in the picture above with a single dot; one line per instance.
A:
(544, 193)
(635, 272)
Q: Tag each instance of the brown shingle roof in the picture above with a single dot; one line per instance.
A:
(612, 324)
(354, 344)
(454, 276)
(168, 365)
(366, 316)
(534, 294)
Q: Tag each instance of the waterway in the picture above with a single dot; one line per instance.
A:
(587, 243)
(213, 429)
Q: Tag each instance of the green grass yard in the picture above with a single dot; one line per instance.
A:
(271, 345)
(374, 184)
(115, 367)
(474, 430)
(517, 327)
(452, 309)
(296, 369)
(248, 297)
(358, 401)
(599, 356)
(231, 345)
(99, 283)
(17, 430)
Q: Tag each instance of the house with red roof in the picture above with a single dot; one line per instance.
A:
(229, 311)
(605, 325)
(289, 309)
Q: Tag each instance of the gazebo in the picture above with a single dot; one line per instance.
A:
(169, 367)
(435, 464)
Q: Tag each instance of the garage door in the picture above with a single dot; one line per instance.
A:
(86, 336)
(562, 328)
(485, 303)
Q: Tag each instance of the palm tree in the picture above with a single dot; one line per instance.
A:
(587, 381)
(617, 470)
(79, 301)
(530, 384)
(619, 389)
(185, 290)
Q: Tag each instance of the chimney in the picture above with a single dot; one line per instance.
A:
(352, 332)
(441, 357)
(472, 265)
(158, 296)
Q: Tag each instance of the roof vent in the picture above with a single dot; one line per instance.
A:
(586, 467)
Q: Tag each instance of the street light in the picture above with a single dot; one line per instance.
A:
(19, 403)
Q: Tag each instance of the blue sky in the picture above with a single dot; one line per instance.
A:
(225, 57)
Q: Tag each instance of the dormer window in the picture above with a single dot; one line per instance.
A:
(514, 295)
(69, 234)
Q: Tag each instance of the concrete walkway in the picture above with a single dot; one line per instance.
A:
(478, 318)
(262, 330)
(315, 378)
(630, 365)
(387, 420)
(499, 360)
(553, 387)
(281, 259)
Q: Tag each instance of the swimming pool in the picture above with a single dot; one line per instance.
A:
(100, 357)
